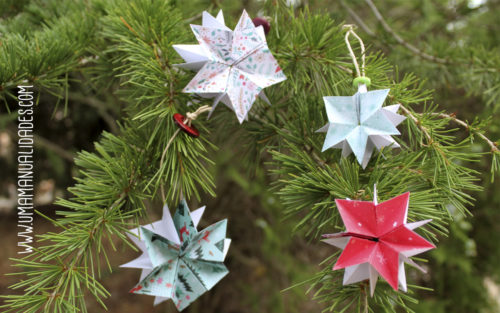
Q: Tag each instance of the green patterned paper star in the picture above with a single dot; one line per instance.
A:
(178, 262)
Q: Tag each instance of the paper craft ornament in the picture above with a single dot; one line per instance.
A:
(178, 262)
(359, 123)
(377, 241)
(233, 66)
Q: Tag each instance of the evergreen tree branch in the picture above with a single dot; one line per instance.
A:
(129, 168)
(418, 123)
(123, 167)
(400, 40)
(430, 164)
(359, 21)
(100, 108)
(48, 53)
(76, 260)
(473, 130)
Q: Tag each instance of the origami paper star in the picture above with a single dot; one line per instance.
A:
(360, 123)
(234, 66)
(377, 241)
(178, 262)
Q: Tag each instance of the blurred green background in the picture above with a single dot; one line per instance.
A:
(464, 72)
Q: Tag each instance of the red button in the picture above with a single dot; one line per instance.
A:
(190, 130)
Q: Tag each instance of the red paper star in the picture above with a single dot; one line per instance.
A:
(378, 236)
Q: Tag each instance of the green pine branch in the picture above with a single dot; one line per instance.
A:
(434, 163)
(125, 46)
(122, 173)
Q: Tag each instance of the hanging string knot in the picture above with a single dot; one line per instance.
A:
(360, 72)
(191, 116)
(349, 27)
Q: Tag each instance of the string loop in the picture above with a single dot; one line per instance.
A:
(360, 72)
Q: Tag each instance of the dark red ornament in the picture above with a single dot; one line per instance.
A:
(190, 130)
(258, 21)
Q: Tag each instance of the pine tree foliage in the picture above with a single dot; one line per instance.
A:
(54, 49)
(460, 50)
(124, 171)
(125, 47)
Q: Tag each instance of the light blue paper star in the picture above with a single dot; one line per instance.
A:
(359, 123)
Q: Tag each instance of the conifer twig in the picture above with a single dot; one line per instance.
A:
(319, 160)
(190, 116)
(345, 69)
(100, 109)
(493, 145)
(417, 122)
(400, 40)
(129, 27)
(45, 143)
(193, 18)
(358, 19)
(81, 251)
